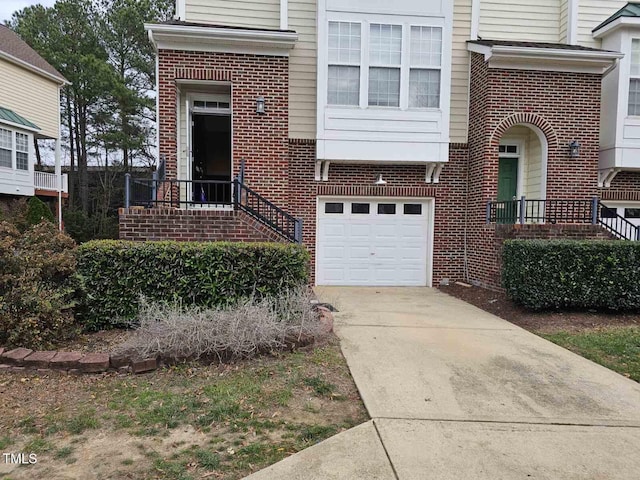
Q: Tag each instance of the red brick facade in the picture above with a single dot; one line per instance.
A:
(563, 106)
(262, 140)
(156, 224)
(625, 186)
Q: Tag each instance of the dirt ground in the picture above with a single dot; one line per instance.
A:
(539, 322)
(185, 422)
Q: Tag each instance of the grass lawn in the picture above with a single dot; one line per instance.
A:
(617, 348)
(185, 422)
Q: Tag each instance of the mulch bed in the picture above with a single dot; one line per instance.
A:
(498, 304)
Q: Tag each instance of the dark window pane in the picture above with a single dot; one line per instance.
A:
(413, 209)
(512, 149)
(386, 208)
(360, 208)
(502, 148)
(608, 212)
(632, 213)
(334, 208)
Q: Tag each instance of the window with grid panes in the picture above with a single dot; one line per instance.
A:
(385, 62)
(6, 147)
(22, 151)
(344, 63)
(634, 79)
(425, 64)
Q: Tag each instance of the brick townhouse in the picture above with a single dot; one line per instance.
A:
(400, 143)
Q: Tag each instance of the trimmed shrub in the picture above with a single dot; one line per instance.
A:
(545, 274)
(37, 286)
(116, 274)
(38, 211)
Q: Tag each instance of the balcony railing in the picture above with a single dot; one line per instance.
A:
(590, 211)
(202, 194)
(49, 181)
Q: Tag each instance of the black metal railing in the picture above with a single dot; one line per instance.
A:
(590, 211)
(268, 213)
(619, 226)
(198, 194)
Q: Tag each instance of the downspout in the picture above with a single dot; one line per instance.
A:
(58, 168)
(475, 19)
(572, 21)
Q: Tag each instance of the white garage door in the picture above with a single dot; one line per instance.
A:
(373, 242)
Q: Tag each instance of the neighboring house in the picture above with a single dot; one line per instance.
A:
(410, 137)
(29, 111)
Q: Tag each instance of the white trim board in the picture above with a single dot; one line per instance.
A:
(216, 39)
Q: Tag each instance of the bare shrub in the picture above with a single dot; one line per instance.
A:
(173, 332)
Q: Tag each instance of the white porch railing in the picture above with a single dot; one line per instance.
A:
(49, 181)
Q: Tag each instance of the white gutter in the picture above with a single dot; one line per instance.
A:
(617, 23)
(34, 69)
(235, 35)
(546, 53)
(19, 126)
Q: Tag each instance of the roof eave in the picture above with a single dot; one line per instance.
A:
(19, 126)
(55, 78)
(620, 22)
(179, 36)
(588, 61)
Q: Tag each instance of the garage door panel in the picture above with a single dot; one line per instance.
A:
(373, 249)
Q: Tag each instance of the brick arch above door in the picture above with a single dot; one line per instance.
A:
(525, 119)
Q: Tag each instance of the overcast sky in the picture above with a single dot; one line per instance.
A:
(7, 7)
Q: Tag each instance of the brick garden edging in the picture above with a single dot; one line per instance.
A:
(74, 362)
(19, 359)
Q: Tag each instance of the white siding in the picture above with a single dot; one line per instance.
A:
(521, 20)
(236, 13)
(32, 96)
(302, 70)
(460, 71)
(592, 13)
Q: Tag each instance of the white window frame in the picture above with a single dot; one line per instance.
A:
(632, 76)
(391, 66)
(365, 64)
(338, 63)
(437, 68)
(14, 149)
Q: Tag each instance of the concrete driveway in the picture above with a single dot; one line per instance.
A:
(457, 393)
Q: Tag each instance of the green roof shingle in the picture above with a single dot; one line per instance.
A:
(11, 116)
(629, 10)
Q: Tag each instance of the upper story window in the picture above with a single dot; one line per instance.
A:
(385, 63)
(426, 61)
(401, 65)
(14, 143)
(344, 63)
(634, 79)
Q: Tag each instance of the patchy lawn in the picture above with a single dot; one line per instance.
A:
(610, 339)
(617, 348)
(185, 422)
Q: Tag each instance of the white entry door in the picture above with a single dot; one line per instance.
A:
(373, 241)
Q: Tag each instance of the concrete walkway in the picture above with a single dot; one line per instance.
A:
(457, 393)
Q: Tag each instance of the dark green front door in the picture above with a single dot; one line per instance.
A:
(507, 190)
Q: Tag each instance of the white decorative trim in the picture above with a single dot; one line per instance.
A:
(475, 19)
(216, 39)
(19, 126)
(34, 69)
(322, 171)
(433, 171)
(606, 176)
(572, 21)
(546, 59)
(615, 25)
(284, 14)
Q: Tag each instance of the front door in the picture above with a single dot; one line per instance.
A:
(507, 190)
(211, 167)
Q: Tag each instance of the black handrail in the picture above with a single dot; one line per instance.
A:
(186, 194)
(562, 211)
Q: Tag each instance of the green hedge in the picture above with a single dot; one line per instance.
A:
(544, 274)
(115, 274)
